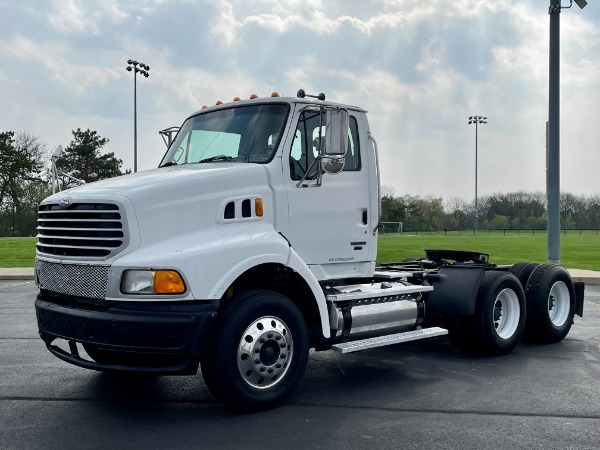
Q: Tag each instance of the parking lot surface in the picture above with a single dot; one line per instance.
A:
(421, 394)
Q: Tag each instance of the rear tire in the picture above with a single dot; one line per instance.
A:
(497, 325)
(550, 304)
(522, 271)
(258, 351)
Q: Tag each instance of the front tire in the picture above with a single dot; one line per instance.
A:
(550, 304)
(258, 351)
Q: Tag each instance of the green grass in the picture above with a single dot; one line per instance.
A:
(17, 252)
(577, 252)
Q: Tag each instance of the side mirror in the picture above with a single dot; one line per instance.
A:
(336, 132)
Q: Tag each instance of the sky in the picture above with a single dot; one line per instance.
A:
(420, 68)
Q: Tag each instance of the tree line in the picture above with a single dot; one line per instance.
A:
(514, 210)
(25, 173)
(25, 181)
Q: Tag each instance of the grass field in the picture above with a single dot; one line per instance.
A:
(577, 252)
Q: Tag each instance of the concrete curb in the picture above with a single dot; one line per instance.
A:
(587, 276)
(16, 273)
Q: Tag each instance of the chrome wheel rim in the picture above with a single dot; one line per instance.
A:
(264, 352)
(507, 313)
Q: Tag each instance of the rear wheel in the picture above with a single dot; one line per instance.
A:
(550, 303)
(522, 271)
(497, 325)
(258, 351)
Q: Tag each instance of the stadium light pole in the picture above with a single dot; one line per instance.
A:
(476, 120)
(142, 69)
(553, 136)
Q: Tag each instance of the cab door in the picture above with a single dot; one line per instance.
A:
(328, 221)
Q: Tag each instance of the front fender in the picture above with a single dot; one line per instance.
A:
(211, 260)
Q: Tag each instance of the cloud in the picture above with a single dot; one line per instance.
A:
(76, 79)
(420, 68)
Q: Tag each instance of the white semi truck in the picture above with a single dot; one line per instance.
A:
(254, 241)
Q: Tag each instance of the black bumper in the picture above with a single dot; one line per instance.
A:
(140, 337)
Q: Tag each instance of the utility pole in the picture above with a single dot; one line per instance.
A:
(553, 160)
(143, 69)
(476, 120)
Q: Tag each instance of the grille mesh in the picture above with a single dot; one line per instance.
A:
(73, 279)
(90, 230)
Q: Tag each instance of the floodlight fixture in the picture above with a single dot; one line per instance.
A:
(581, 3)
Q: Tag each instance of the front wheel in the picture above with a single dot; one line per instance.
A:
(258, 351)
(550, 303)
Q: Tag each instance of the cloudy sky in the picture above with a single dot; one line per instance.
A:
(420, 67)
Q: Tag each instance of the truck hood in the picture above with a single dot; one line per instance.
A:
(157, 180)
(178, 200)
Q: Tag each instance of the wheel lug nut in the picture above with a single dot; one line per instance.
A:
(277, 338)
(257, 350)
(257, 361)
(270, 335)
(282, 345)
(282, 356)
(262, 369)
(270, 370)
(261, 340)
(278, 366)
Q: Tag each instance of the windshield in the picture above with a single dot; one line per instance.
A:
(242, 134)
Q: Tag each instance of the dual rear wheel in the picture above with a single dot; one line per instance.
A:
(538, 300)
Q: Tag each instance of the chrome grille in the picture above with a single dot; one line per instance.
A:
(73, 279)
(89, 230)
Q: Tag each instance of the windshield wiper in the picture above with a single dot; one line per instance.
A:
(170, 163)
(217, 158)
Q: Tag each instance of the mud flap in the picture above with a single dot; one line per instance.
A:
(454, 289)
(579, 294)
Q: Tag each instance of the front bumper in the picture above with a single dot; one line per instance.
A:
(147, 337)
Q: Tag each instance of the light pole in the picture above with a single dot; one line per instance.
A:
(143, 69)
(476, 120)
(553, 157)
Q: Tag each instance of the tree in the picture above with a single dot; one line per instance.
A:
(21, 161)
(82, 159)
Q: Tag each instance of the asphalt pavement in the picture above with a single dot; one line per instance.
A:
(424, 394)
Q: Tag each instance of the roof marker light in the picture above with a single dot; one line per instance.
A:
(219, 102)
(204, 106)
(253, 96)
(274, 94)
(236, 99)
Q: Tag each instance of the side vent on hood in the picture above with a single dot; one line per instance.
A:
(240, 209)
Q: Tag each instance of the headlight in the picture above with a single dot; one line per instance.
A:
(152, 282)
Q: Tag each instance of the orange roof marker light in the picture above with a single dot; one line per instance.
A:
(253, 96)
(274, 94)
(204, 106)
(219, 102)
(236, 99)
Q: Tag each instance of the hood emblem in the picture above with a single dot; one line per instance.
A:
(64, 202)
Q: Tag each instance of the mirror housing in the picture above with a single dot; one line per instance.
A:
(336, 132)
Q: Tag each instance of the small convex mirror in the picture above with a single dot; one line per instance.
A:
(336, 132)
(333, 164)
